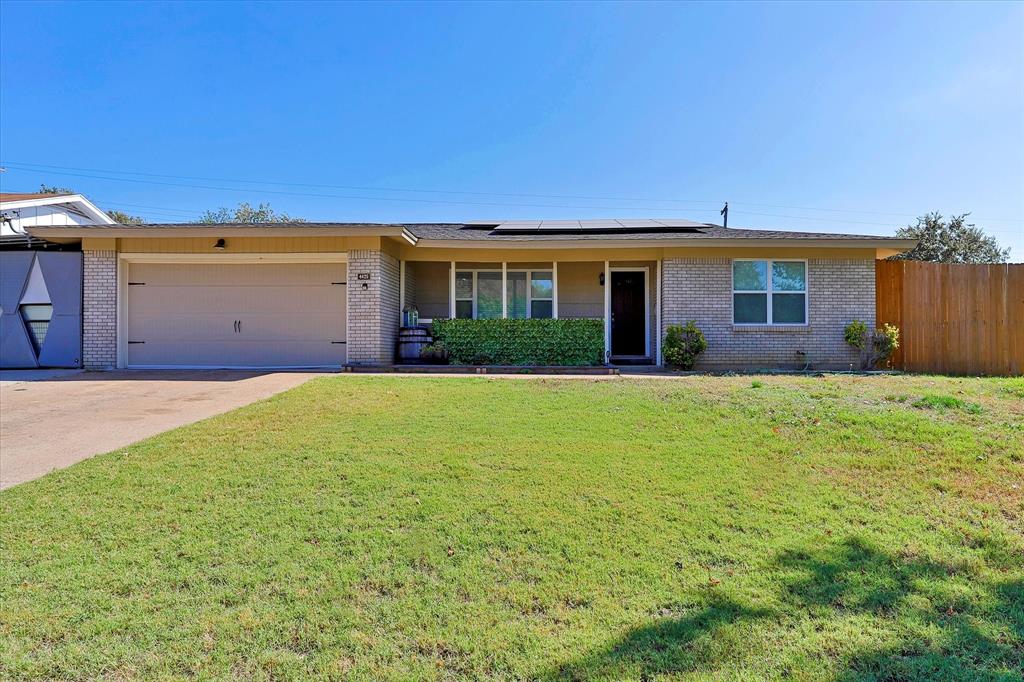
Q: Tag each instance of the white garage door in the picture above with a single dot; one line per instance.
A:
(235, 315)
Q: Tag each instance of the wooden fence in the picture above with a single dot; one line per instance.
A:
(954, 319)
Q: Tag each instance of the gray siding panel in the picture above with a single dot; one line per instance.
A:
(16, 349)
(63, 275)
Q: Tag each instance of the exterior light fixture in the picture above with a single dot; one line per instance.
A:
(220, 245)
(600, 279)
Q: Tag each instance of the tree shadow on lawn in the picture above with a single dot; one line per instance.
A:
(938, 622)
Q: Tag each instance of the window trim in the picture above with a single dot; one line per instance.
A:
(768, 291)
(529, 288)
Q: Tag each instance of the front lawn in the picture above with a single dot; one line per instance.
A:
(364, 527)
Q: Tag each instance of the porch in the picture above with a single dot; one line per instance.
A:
(624, 295)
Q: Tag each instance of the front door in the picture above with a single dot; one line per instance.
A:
(629, 315)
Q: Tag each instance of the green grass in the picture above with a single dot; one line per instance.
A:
(933, 401)
(474, 528)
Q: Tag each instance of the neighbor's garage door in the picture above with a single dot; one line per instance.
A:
(235, 315)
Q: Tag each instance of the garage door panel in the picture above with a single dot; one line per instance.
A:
(231, 274)
(234, 300)
(237, 354)
(294, 326)
(289, 315)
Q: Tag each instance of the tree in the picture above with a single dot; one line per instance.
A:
(53, 189)
(123, 218)
(244, 213)
(956, 241)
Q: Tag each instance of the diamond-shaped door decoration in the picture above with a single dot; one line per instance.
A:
(36, 307)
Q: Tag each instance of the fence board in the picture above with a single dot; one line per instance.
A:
(953, 319)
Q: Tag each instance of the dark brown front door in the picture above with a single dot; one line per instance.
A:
(628, 317)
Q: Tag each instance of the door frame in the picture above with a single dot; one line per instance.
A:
(124, 261)
(647, 306)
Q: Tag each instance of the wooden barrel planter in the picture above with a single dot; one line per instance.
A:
(411, 341)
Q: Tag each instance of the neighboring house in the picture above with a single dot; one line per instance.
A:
(19, 211)
(41, 282)
(327, 294)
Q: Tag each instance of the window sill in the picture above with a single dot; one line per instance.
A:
(803, 328)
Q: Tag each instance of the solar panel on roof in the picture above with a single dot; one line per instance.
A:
(597, 226)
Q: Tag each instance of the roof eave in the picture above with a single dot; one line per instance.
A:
(114, 231)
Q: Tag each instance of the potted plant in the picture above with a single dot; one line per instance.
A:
(435, 353)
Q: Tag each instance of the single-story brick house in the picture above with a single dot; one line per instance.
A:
(329, 294)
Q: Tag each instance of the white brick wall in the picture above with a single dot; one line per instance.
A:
(373, 314)
(838, 291)
(99, 309)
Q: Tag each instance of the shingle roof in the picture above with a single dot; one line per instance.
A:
(22, 196)
(458, 231)
(486, 233)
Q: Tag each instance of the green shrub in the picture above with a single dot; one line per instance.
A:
(875, 347)
(682, 345)
(756, 384)
(522, 342)
(856, 334)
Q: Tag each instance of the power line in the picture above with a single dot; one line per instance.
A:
(361, 197)
(154, 209)
(36, 166)
(40, 167)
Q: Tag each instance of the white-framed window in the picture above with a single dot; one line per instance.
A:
(769, 292)
(542, 294)
(529, 293)
(465, 295)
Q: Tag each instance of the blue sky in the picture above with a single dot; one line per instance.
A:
(838, 118)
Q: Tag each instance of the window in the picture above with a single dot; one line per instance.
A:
(488, 295)
(527, 294)
(464, 295)
(542, 293)
(37, 318)
(518, 298)
(769, 292)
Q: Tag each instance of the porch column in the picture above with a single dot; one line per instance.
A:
(657, 313)
(451, 292)
(401, 292)
(554, 289)
(504, 290)
(607, 311)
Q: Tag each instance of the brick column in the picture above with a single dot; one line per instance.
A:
(373, 314)
(99, 309)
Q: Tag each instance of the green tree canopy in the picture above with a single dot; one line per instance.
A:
(123, 218)
(953, 241)
(244, 213)
(54, 189)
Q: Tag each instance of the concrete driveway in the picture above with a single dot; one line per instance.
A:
(52, 420)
